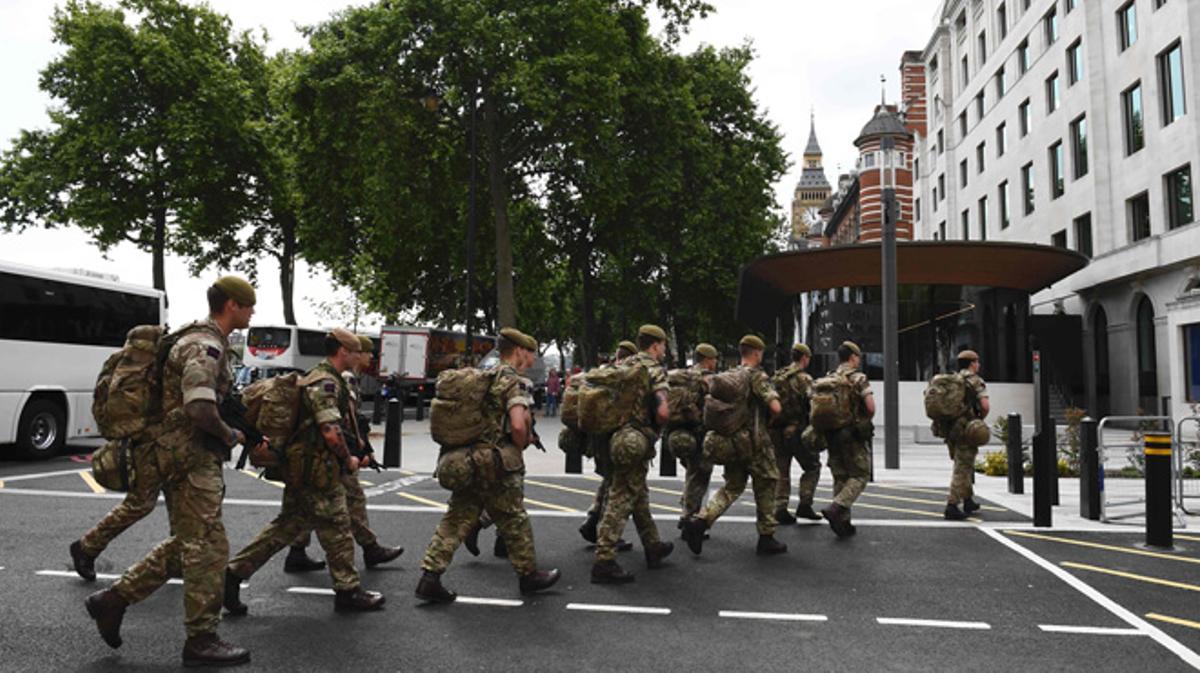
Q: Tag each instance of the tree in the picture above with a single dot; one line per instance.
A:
(148, 140)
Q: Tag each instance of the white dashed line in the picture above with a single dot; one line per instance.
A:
(40, 475)
(1094, 630)
(776, 616)
(497, 602)
(933, 623)
(313, 591)
(70, 573)
(630, 609)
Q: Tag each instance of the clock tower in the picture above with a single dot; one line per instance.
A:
(811, 192)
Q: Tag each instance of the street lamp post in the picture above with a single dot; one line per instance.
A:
(891, 318)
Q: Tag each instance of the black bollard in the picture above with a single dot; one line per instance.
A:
(392, 434)
(420, 403)
(1016, 457)
(666, 460)
(574, 463)
(1091, 479)
(1045, 474)
(1159, 527)
(377, 408)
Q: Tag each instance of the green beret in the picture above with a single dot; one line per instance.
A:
(347, 339)
(753, 342)
(628, 346)
(519, 338)
(365, 344)
(653, 331)
(236, 289)
(802, 350)
(853, 347)
(706, 351)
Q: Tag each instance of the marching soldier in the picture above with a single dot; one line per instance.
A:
(794, 385)
(849, 456)
(603, 465)
(697, 470)
(192, 445)
(962, 449)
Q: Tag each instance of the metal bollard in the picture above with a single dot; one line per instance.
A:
(377, 408)
(420, 404)
(666, 459)
(392, 434)
(1045, 473)
(1091, 480)
(1159, 527)
(574, 464)
(1016, 458)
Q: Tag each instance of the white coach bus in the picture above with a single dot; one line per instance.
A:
(56, 330)
(276, 349)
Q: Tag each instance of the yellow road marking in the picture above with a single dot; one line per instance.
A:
(91, 482)
(668, 508)
(1173, 620)
(364, 482)
(902, 510)
(559, 487)
(550, 505)
(592, 477)
(1181, 537)
(1131, 576)
(664, 490)
(914, 489)
(252, 473)
(1097, 545)
(423, 501)
(901, 498)
(1, 484)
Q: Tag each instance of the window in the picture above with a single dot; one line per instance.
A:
(1002, 20)
(941, 141)
(935, 199)
(962, 173)
(1070, 5)
(1001, 139)
(966, 225)
(1131, 105)
(1159, 3)
(312, 342)
(942, 230)
(1191, 365)
(1001, 83)
(982, 217)
(962, 124)
(1179, 197)
(1052, 93)
(1170, 83)
(1057, 171)
(965, 68)
(1023, 56)
(933, 67)
(1002, 192)
(941, 187)
(1127, 26)
(980, 151)
(1027, 187)
(982, 42)
(1079, 147)
(1059, 238)
(917, 209)
(1023, 116)
(1137, 211)
(1083, 234)
(868, 160)
(979, 105)
(916, 167)
(1075, 62)
(1050, 26)
(51, 311)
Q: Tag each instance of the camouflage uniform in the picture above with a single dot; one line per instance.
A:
(760, 466)
(962, 452)
(197, 368)
(788, 446)
(627, 492)
(849, 457)
(697, 473)
(137, 505)
(312, 503)
(499, 491)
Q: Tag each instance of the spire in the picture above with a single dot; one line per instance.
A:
(813, 146)
(883, 90)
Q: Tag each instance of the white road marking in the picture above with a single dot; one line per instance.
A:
(631, 609)
(934, 623)
(1094, 630)
(776, 616)
(71, 573)
(1183, 652)
(314, 591)
(498, 602)
(56, 473)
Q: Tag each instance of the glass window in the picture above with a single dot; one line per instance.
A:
(312, 342)
(983, 219)
(942, 230)
(1002, 20)
(1191, 364)
(1070, 5)
(1001, 139)
(1023, 116)
(962, 124)
(941, 141)
(1079, 146)
(1131, 105)
(1075, 62)
(941, 187)
(1083, 234)
(1001, 83)
(1052, 93)
(980, 153)
(1179, 197)
(1002, 193)
(966, 71)
(1127, 25)
(1057, 171)
(52, 311)
(979, 109)
(1170, 83)
(917, 209)
(966, 225)
(1023, 56)
(1137, 209)
(1050, 26)
(1027, 187)
(962, 173)
(982, 44)
(1059, 239)
(1147, 351)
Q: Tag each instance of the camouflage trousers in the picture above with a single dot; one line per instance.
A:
(964, 467)
(764, 473)
(697, 475)
(306, 508)
(197, 546)
(627, 495)
(137, 505)
(788, 447)
(356, 506)
(850, 464)
(504, 502)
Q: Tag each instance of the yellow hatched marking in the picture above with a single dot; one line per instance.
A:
(902, 510)
(252, 473)
(900, 498)
(667, 491)
(1158, 452)
(423, 501)
(91, 482)
(559, 487)
(1173, 620)
(550, 505)
(1131, 576)
(668, 508)
(1097, 545)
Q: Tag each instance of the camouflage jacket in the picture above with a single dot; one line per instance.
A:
(198, 367)
(658, 383)
(978, 391)
(762, 393)
(793, 375)
(861, 386)
(509, 389)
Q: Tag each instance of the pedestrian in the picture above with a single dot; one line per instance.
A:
(602, 462)
(192, 443)
(959, 441)
(553, 391)
(697, 469)
(849, 455)
(795, 386)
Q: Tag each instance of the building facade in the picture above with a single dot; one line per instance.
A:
(1075, 123)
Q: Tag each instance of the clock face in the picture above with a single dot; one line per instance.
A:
(811, 216)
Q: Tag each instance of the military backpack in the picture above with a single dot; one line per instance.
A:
(832, 403)
(685, 398)
(112, 465)
(611, 397)
(459, 415)
(946, 398)
(275, 407)
(722, 449)
(727, 405)
(793, 388)
(570, 401)
(127, 397)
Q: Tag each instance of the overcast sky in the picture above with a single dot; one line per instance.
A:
(811, 55)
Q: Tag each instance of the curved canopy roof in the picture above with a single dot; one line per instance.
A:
(769, 282)
(884, 123)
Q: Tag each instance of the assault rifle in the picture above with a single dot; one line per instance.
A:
(233, 413)
(368, 450)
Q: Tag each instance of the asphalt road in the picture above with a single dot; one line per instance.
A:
(909, 592)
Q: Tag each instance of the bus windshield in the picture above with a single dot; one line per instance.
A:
(269, 338)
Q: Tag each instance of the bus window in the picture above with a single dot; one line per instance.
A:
(50, 311)
(312, 342)
(268, 340)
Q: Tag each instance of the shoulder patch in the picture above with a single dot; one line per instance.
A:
(213, 352)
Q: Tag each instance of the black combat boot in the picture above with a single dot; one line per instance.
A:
(656, 552)
(500, 549)
(209, 650)
(430, 589)
(297, 561)
(538, 580)
(357, 600)
(694, 534)
(471, 541)
(953, 513)
(609, 572)
(969, 505)
(588, 529)
(768, 545)
(806, 512)
(85, 566)
(622, 545)
(378, 555)
(784, 517)
(108, 609)
(839, 519)
(234, 606)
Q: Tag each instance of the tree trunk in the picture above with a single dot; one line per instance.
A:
(498, 190)
(681, 349)
(158, 249)
(287, 269)
(588, 347)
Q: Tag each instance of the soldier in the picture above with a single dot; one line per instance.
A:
(697, 470)
(354, 427)
(794, 383)
(603, 467)
(849, 456)
(760, 466)
(962, 451)
(191, 445)
(627, 493)
(314, 497)
(502, 495)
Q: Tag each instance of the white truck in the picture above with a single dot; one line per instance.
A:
(411, 356)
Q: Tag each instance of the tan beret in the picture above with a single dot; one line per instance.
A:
(753, 342)
(237, 289)
(347, 339)
(519, 338)
(853, 347)
(652, 331)
(365, 344)
(706, 351)
(968, 355)
(802, 349)
(628, 346)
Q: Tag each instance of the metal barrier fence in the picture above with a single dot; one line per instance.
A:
(1103, 447)
(1186, 488)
